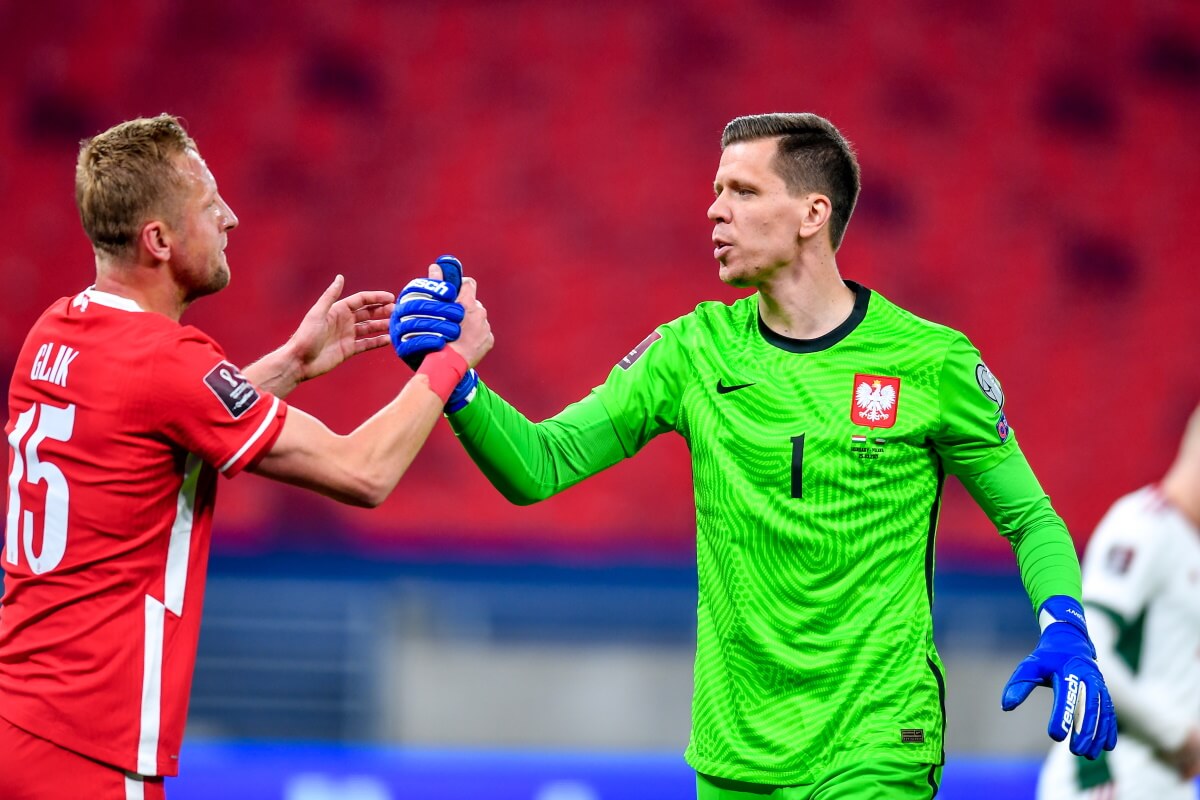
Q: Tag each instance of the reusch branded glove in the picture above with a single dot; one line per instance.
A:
(463, 393)
(426, 319)
(1065, 660)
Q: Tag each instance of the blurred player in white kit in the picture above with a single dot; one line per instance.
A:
(1141, 589)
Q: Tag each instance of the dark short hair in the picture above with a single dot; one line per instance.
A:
(813, 156)
(128, 175)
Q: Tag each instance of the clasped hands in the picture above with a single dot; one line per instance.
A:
(427, 317)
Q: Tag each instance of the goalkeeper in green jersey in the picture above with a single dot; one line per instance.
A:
(822, 421)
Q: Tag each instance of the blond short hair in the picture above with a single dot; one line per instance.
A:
(128, 175)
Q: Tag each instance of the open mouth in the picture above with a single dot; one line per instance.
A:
(721, 248)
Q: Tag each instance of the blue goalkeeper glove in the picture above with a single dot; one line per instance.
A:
(1065, 660)
(463, 393)
(426, 319)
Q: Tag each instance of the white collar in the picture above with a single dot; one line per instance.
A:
(92, 295)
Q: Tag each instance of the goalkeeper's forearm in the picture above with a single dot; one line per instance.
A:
(528, 462)
(1011, 496)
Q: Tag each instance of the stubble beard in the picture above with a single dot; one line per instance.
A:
(218, 280)
(734, 276)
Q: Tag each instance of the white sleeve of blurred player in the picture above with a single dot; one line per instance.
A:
(1140, 709)
(1127, 567)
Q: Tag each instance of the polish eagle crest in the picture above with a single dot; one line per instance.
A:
(875, 400)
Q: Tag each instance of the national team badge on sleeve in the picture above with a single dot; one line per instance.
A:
(875, 400)
(232, 388)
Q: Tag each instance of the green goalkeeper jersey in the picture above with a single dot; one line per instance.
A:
(818, 468)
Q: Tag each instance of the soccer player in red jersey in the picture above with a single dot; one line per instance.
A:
(120, 420)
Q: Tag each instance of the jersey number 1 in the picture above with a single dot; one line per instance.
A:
(798, 466)
(52, 423)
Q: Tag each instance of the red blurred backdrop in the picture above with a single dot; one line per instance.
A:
(1030, 177)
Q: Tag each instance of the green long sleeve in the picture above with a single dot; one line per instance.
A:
(528, 461)
(1009, 493)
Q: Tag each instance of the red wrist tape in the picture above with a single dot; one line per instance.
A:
(444, 369)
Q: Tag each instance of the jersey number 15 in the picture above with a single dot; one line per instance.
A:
(52, 423)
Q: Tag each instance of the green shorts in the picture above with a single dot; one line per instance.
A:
(871, 779)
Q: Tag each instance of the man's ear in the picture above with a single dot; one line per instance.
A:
(817, 211)
(155, 238)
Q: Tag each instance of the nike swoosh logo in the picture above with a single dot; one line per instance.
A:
(723, 389)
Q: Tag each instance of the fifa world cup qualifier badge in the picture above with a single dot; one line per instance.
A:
(875, 401)
(232, 388)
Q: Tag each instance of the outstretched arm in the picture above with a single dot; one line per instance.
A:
(362, 467)
(332, 331)
(527, 461)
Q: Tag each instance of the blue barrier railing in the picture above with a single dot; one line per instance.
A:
(276, 771)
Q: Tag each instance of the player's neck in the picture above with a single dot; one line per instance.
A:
(806, 303)
(146, 285)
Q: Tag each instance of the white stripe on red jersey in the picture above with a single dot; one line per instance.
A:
(118, 422)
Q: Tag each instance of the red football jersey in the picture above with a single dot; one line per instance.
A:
(118, 422)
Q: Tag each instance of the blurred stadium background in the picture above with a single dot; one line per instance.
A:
(1031, 177)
